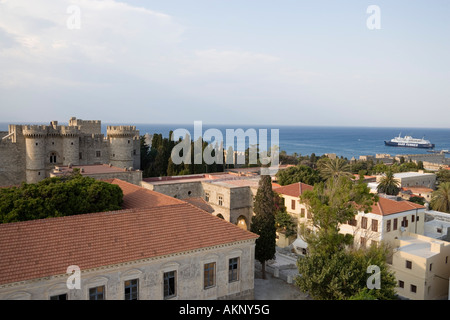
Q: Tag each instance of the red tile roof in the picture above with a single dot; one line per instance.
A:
(200, 203)
(294, 190)
(139, 197)
(386, 206)
(40, 248)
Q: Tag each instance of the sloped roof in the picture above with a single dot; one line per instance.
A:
(45, 247)
(387, 206)
(200, 203)
(138, 197)
(294, 189)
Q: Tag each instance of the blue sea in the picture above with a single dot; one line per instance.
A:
(343, 141)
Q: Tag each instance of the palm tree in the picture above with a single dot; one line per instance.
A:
(388, 184)
(334, 168)
(440, 199)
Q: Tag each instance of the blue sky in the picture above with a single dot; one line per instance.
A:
(287, 62)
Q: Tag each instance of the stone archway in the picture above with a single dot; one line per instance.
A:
(220, 216)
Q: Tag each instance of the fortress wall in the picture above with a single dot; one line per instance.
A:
(93, 150)
(12, 164)
(87, 126)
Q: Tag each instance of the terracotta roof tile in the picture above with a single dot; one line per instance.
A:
(293, 190)
(139, 197)
(387, 206)
(46, 247)
(200, 203)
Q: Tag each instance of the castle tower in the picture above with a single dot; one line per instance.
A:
(71, 145)
(35, 138)
(121, 139)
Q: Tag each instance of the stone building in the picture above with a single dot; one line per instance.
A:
(29, 152)
(157, 247)
(229, 195)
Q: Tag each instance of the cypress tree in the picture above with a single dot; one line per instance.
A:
(263, 223)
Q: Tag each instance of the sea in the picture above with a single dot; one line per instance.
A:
(347, 142)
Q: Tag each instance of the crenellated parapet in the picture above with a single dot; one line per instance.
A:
(68, 131)
(34, 131)
(121, 131)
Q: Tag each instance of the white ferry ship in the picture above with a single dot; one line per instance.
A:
(409, 142)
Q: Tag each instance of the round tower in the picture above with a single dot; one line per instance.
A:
(35, 138)
(71, 145)
(121, 145)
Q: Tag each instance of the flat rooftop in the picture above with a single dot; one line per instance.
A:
(420, 247)
(87, 169)
(402, 175)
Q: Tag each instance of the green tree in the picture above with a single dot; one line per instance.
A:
(332, 203)
(334, 168)
(333, 269)
(440, 198)
(388, 184)
(300, 173)
(263, 222)
(56, 197)
(443, 175)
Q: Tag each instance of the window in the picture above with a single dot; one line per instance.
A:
(134, 152)
(302, 212)
(293, 204)
(395, 223)
(52, 157)
(59, 297)
(233, 269)
(131, 289)
(388, 225)
(207, 196)
(364, 222)
(98, 154)
(81, 156)
(374, 225)
(220, 200)
(431, 266)
(446, 259)
(363, 242)
(97, 293)
(401, 284)
(405, 222)
(412, 218)
(209, 272)
(408, 264)
(413, 288)
(169, 284)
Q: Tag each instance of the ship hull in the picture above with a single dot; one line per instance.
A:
(410, 145)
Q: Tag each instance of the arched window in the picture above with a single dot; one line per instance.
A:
(53, 157)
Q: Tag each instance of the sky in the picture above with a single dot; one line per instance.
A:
(240, 62)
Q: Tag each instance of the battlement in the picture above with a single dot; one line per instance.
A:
(121, 131)
(86, 126)
(70, 131)
(34, 131)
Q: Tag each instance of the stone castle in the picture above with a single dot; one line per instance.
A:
(28, 153)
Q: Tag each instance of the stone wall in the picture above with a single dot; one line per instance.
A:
(189, 277)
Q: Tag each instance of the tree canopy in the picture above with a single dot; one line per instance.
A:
(263, 222)
(57, 197)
